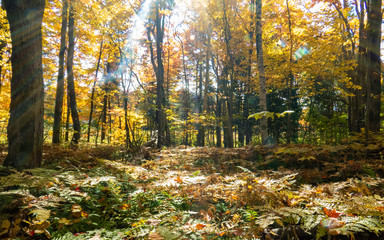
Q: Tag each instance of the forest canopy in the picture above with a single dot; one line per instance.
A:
(177, 119)
(205, 73)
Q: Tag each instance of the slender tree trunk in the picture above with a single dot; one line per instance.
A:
(160, 76)
(248, 130)
(127, 133)
(67, 120)
(218, 104)
(290, 76)
(25, 125)
(260, 64)
(186, 98)
(104, 118)
(109, 121)
(357, 121)
(228, 131)
(71, 83)
(373, 66)
(93, 92)
(60, 77)
(206, 83)
(200, 127)
(3, 44)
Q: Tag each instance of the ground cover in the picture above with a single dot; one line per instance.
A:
(284, 192)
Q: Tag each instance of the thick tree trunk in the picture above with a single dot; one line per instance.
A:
(260, 64)
(93, 92)
(373, 66)
(25, 126)
(71, 82)
(60, 77)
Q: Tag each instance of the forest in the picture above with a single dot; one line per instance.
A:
(205, 119)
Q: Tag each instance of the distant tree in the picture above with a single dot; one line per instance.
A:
(60, 77)
(25, 127)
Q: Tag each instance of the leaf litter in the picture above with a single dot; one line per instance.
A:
(193, 193)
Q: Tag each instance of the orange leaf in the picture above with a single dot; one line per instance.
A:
(331, 213)
(178, 179)
(200, 226)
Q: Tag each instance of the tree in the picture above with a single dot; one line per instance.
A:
(373, 66)
(71, 83)
(260, 64)
(93, 92)
(60, 77)
(25, 127)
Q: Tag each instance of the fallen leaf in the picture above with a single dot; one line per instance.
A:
(331, 213)
(178, 179)
(200, 226)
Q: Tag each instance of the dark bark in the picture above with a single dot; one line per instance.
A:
(357, 102)
(160, 76)
(373, 66)
(60, 77)
(227, 86)
(25, 126)
(93, 92)
(71, 82)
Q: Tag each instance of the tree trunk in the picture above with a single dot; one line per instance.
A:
(67, 121)
(160, 75)
(228, 90)
(25, 126)
(248, 130)
(373, 66)
(206, 84)
(93, 92)
(71, 83)
(290, 76)
(218, 104)
(200, 127)
(3, 44)
(60, 77)
(260, 64)
(104, 118)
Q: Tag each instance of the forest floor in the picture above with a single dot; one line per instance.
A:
(284, 192)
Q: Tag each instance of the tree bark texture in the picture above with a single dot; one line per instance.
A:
(71, 82)
(60, 77)
(160, 76)
(373, 66)
(25, 126)
(260, 64)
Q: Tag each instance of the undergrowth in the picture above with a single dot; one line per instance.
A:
(185, 193)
